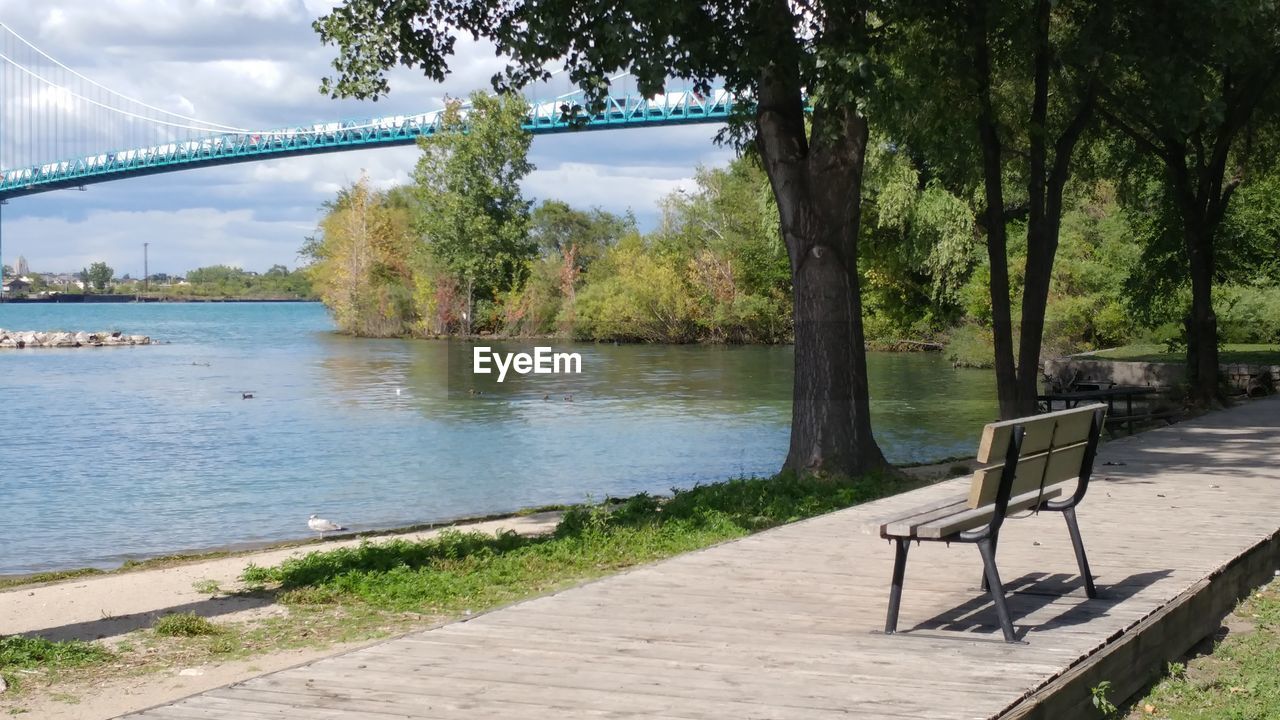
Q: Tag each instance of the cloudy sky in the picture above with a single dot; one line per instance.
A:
(258, 64)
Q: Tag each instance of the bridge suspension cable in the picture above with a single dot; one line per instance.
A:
(50, 112)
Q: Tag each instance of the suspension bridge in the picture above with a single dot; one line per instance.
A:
(61, 130)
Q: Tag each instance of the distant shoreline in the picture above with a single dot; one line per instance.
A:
(74, 299)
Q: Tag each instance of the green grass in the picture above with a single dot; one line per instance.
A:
(458, 571)
(1240, 680)
(26, 653)
(1229, 353)
(186, 625)
(206, 587)
(44, 577)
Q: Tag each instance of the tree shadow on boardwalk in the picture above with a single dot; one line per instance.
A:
(1034, 592)
(115, 625)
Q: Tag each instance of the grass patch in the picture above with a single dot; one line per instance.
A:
(1238, 680)
(206, 587)
(460, 571)
(186, 625)
(27, 653)
(45, 577)
(1248, 354)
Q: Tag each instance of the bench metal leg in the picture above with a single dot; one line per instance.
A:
(895, 590)
(995, 542)
(1078, 544)
(987, 548)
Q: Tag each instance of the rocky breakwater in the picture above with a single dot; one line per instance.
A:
(19, 339)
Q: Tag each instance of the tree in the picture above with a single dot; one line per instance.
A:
(787, 57)
(361, 262)
(557, 228)
(1200, 84)
(1023, 123)
(97, 275)
(471, 211)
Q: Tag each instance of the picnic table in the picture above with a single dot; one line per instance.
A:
(1125, 394)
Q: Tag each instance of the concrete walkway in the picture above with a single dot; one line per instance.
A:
(784, 624)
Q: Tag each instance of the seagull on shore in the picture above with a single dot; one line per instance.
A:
(323, 526)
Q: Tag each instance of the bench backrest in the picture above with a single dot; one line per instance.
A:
(1055, 447)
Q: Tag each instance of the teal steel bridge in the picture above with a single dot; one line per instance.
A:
(237, 146)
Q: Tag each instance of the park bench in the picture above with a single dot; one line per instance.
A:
(1029, 464)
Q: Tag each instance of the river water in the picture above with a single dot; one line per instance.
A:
(108, 454)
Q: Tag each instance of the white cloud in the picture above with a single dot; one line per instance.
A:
(613, 188)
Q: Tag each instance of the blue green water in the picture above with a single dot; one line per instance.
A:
(115, 453)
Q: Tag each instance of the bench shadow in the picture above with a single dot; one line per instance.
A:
(115, 625)
(1033, 592)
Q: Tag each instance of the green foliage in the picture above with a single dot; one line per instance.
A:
(918, 249)
(470, 209)
(361, 262)
(27, 653)
(224, 281)
(715, 270)
(559, 230)
(185, 625)
(636, 295)
(473, 571)
(1098, 695)
(98, 276)
(970, 345)
(1248, 314)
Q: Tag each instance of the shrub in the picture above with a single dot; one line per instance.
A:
(971, 346)
(1248, 314)
(186, 625)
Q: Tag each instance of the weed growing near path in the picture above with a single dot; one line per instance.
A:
(186, 625)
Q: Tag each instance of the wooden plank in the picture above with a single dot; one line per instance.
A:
(1072, 427)
(906, 526)
(908, 512)
(977, 517)
(1043, 469)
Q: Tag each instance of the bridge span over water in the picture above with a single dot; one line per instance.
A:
(60, 129)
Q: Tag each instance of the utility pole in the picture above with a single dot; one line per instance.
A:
(2, 204)
(146, 274)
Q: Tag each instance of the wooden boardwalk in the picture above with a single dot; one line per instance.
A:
(784, 624)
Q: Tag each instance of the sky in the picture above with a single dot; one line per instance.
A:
(258, 64)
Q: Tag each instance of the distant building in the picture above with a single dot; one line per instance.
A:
(22, 266)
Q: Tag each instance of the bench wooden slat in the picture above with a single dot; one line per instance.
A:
(905, 526)
(1060, 465)
(905, 513)
(970, 519)
(1073, 427)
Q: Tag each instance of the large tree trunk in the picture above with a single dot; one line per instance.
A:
(1202, 326)
(830, 413)
(997, 251)
(818, 186)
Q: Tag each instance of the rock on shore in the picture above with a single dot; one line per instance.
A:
(18, 339)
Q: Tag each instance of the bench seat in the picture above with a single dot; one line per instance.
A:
(953, 516)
